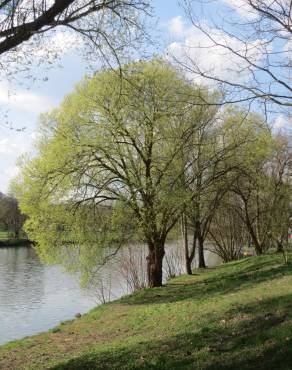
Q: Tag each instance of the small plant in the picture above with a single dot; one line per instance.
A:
(55, 330)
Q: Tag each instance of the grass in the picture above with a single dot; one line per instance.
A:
(7, 239)
(236, 316)
(4, 235)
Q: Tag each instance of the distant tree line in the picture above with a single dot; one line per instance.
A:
(11, 218)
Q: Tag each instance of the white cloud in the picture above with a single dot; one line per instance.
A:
(201, 54)
(176, 26)
(7, 175)
(287, 48)
(59, 42)
(241, 7)
(10, 173)
(23, 100)
(282, 121)
(37, 55)
(5, 146)
(12, 145)
(15, 144)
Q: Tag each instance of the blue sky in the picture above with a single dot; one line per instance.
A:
(28, 101)
(31, 99)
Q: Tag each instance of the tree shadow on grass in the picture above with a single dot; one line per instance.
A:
(248, 337)
(221, 282)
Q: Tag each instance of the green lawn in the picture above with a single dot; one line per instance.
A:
(4, 235)
(236, 316)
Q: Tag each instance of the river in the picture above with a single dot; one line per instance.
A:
(35, 297)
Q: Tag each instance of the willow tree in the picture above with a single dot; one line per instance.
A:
(118, 145)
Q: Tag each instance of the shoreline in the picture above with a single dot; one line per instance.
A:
(253, 316)
(10, 243)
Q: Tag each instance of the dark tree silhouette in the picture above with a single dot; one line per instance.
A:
(22, 20)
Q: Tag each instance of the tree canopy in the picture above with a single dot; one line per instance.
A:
(116, 145)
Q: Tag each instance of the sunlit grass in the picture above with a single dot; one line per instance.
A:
(8, 236)
(4, 235)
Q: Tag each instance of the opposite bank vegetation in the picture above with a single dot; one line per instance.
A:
(235, 316)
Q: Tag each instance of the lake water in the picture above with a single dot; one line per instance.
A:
(35, 297)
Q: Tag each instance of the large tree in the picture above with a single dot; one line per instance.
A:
(118, 145)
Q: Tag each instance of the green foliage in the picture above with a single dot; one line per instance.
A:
(112, 144)
(11, 219)
(257, 187)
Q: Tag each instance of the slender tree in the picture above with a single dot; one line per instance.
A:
(215, 160)
(227, 232)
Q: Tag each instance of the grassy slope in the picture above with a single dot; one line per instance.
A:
(237, 316)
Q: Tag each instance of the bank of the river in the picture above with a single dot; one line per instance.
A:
(15, 243)
(235, 316)
(7, 241)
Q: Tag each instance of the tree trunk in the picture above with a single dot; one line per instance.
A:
(279, 247)
(189, 266)
(202, 263)
(16, 234)
(154, 264)
(188, 259)
(257, 246)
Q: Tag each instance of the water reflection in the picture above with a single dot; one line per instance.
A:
(35, 298)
